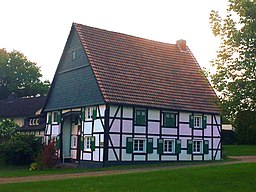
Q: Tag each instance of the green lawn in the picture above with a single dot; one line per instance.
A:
(239, 150)
(22, 171)
(237, 177)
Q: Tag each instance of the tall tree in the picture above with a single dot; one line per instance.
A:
(19, 75)
(235, 76)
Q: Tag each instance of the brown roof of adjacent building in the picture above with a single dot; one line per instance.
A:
(136, 71)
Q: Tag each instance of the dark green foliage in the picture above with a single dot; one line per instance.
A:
(245, 127)
(228, 137)
(21, 149)
(7, 129)
(19, 75)
(235, 76)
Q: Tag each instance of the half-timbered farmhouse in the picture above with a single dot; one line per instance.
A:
(117, 98)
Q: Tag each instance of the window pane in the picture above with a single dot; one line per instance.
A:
(140, 117)
(168, 119)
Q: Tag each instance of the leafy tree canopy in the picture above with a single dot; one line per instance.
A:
(19, 75)
(7, 129)
(235, 77)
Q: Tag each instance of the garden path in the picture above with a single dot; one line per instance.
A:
(238, 159)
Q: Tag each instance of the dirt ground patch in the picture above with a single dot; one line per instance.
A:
(238, 159)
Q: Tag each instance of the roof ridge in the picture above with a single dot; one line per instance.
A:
(121, 33)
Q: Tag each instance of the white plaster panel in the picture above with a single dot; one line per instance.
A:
(169, 137)
(111, 155)
(139, 129)
(48, 129)
(73, 154)
(153, 156)
(124, 140)
(126, 156)
(101, 154)
(153, 127)
(208, 132)
(184, 156)
(210, 144)
(98, 126)
(102, 110)
(209, 119)
(207, 157)
(96, 155)
(153, 114)
(185, 130)
(55, 130)
(115, 126)
(218, 156)
(127, 126)
(216, 143)
(127, 112)
(87, 156)
(87, 127)
(97, 139)
(113, 110)
(217, 118)
(169, 158)
(198, 132)
(170, 131)
(184, 141)
(139, 157)
(198, 158)
(115, 139)
(154, 140)
(184, 117)
(215, 131)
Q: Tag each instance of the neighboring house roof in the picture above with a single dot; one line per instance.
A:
(135, 71)
(21, 107)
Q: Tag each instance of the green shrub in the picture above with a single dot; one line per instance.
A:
(21, 149)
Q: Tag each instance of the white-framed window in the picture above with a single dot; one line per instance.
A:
(87, 143)
(169, 145)
(73, 141)
(139, 145)
(197, 121)
(55, 117)
(197, 146)
(90, 112)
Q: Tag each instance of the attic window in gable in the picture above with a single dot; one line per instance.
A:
(74, 55)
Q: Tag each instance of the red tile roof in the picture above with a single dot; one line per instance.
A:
(136, 71)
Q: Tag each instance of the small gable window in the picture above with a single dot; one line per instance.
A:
(54, 117)
(90, 113)
(74, 55)
(140, 117)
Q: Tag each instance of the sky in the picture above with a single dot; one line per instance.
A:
(39, 28)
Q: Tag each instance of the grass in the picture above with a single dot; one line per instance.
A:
(239, 150)
(22, 171)
(237, 177)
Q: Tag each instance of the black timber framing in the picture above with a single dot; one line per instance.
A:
(146, 135)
